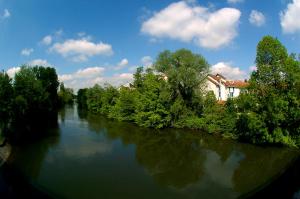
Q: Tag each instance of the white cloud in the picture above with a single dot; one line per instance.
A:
(47, 40)
(89, 72)
(83, 77)
(79, 50)
(230, 72)
(257, 18)
(12, 71)
(147, 61)
(39, 62)
(191, 23)
(235, 1)
(118, 79)
(6, 14)
(26, 51)
(289, 18)
(90, 76)
(124, 62)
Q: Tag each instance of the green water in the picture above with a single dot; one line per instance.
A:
(93, 157)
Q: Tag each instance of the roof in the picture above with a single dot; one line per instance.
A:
(220, 76)
(213, 80)
(217, 79)
(236, 84)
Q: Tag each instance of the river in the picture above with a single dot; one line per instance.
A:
(90, 156)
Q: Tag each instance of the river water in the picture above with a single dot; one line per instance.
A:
(90, 156)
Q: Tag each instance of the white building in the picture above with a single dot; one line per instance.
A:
(223, 88)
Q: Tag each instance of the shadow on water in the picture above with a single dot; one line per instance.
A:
(14, 185)
(14, 181)
(286, 185)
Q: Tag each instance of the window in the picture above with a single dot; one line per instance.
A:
(231, 91)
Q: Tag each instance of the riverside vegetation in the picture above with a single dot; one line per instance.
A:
(29, 103)
(170, 94)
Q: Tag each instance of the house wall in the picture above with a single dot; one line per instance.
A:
(224, 94)
(236, 92)
(212, 87)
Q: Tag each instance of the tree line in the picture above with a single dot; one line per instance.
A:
(29, 102)
(172, 94)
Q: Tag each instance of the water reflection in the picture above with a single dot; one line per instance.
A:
(195, 163)
(14, 181)
(222, 172)
(93, 157)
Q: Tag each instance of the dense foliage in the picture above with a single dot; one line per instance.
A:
(270, 111)
(172, 94)
(28, 102)
(65, 95)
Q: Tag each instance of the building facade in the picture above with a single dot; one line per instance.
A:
(223, 88)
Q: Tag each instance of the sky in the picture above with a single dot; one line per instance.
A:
(103, 41)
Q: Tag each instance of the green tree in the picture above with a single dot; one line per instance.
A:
(186, 72)
(151, 109)
(271, 107)
(82, 98)
(35, 101)
(49, 81)
(124, 109)
(65, 95)
(6, 97)
(138, 78)
(94, 102)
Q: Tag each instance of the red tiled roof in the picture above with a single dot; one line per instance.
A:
(236, 84)
(228, 83)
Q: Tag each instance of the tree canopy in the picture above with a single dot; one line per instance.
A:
(172, 94)
(28, 102)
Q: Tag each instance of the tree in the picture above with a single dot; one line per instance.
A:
(65, 95)
(49, 80)
(271, 107)
(186, 72)
(82, 98)
(138, 78)
(271, 59)
(94, 102)
(34, 102)
(151, 109)
(6, 96)
(124, 109)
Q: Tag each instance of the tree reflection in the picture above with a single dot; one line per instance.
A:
(190, 160)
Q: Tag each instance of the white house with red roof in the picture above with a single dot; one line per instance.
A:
(223, 88)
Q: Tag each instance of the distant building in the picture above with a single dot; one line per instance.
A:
(223, 88)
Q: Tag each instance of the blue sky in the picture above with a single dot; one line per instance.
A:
(93, 41)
